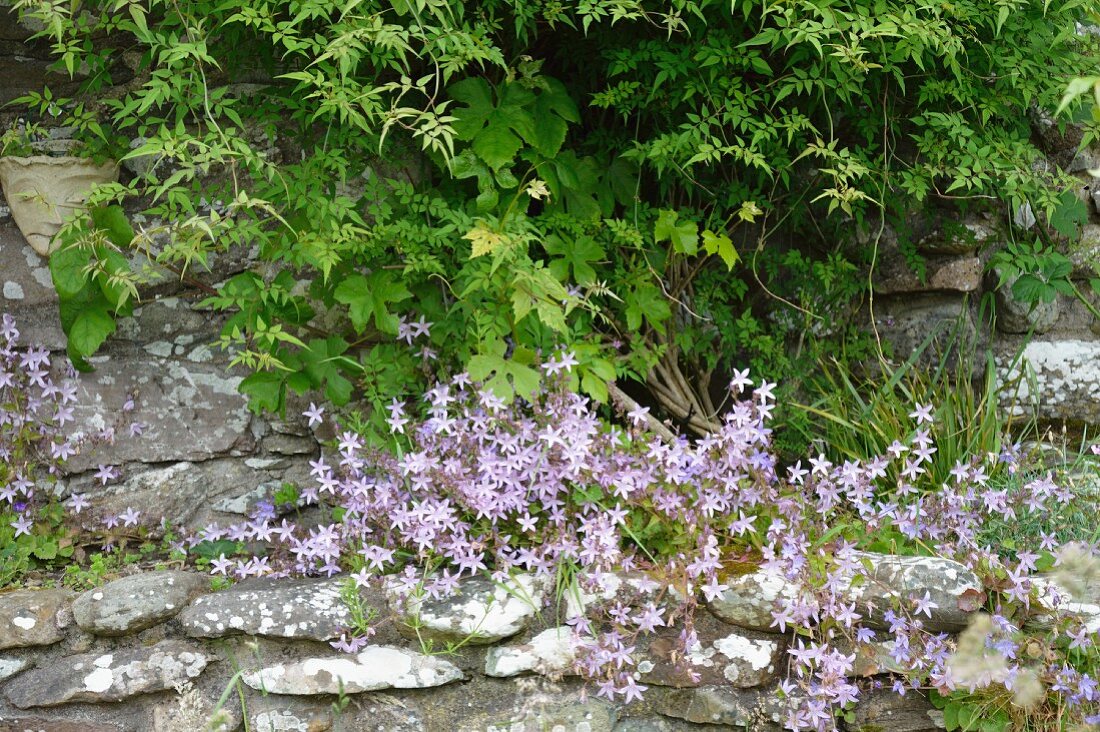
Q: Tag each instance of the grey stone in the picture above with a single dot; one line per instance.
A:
(754, 709)
(11, 666)
(30, 617)
(958, 274)
(562, 714)
(1084, 253)
(1017, 316)
(136, 602)
(371, 669)
(282, 444)
(188, 493)
(888, 580)
(552, 651)
(108, 676)
(751, 597)
(940, 323)
(721, 655)
(481, 612)
(304, 608)
(956, 238)
(191, 411)
(247, 503)
(883, 709)
(40, 724)
(1066, 375)
(656, 724)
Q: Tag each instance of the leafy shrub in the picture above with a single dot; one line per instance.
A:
(636, 181)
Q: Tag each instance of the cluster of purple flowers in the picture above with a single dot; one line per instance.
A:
(478, 486)
(36, 436)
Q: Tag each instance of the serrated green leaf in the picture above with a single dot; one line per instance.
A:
(684, 235)
(368, 298)
(721, 245)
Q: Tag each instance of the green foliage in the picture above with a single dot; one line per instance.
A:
(93, 279)
(635, 182)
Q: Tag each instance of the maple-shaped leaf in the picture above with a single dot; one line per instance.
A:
(554, 110)
(497, 125)
(576, 255)
(369, 298)
(484, 240)
(721, 245)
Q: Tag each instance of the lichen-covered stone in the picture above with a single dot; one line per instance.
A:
(11, 666)
(721, 655)
(758, 710)
(105, 677)
(30, 617)
(550, 652)
(957, 274)
(751, 597)
(373, 668)
(304, 608)
(1067, 378)
(885, 710)
(136, 602)
(565, 714)
(889, 579)
(480, 612)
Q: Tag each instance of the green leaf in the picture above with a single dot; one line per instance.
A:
(368, 298)
(67, 271)
(505, 377)
(575, 255)
(683, 235)
(90, 329)
(497, 129)
(112, 220)
(648, 303)
(321, 362)
(721, 245)
(266, 391)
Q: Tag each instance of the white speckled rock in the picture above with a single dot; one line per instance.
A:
(888, 578)
(11, 666)
(30, 617)
(373, 668)
(307, 608)
(100, 677)
(480, 612)
(751, 597)
(136, 602)
(550, 652)
(1067, 379)
(721, 655)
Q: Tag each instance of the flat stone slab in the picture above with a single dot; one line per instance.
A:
(757, 710)
(136, 602)
(550, 652)
(479, 613)
(304, 608)
(951, 587)
(105, 677)
(29, 617)
(372, 669)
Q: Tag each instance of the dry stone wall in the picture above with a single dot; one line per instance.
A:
(157, 650)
